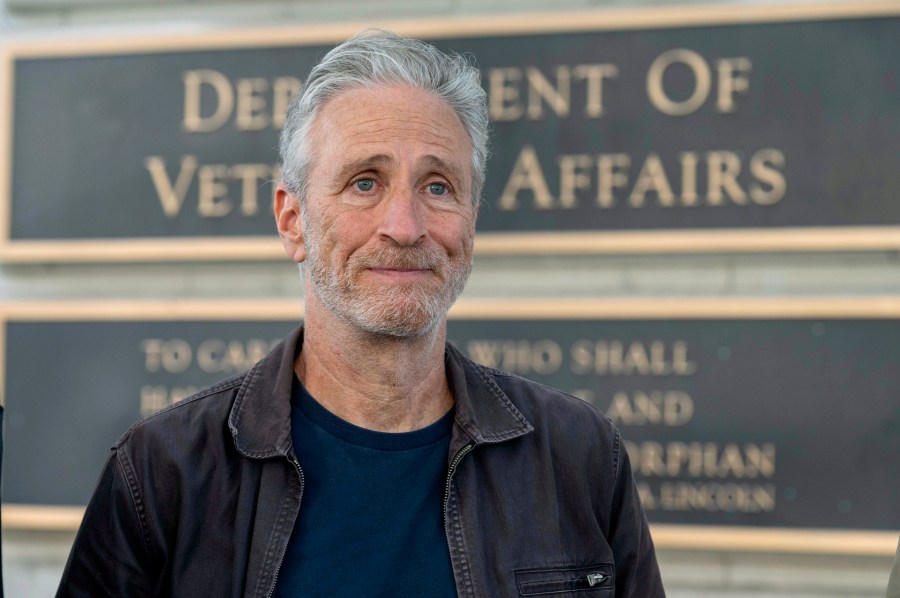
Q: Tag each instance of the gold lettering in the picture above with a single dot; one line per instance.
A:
(503, 84)
(764, 497)
(678, 454)
(732, 79)
(250, 176)
(176, 355)
(251, 105)
(694, 459)
(539, 88)
(723, 184)
(620, 411)
(647, 407)
(760, 460)
(526, 175)
(710, 459)
(283, 91)
(152, 348)
(173, 355)
(541, 357)
(650, 460)
(153, 398)
(194, 81)
(765, 165)
(515, 357)
(582, 355)
(487, 353)
(594, 74)
(656, 358)
(724, 168)
(731, 462)
(702, 82)
(712, 497)
(658, 363)
(670, 408)
(213, 199)
(573, 175)
(217, 356)
(209, 354)
(171, 197)
(697, 458)
(611, 174)
(652, 178)
(546, 357)
(612, 357)
(678, 408)
(636, 360)
(688, 178)
(646, 495)
(681, 364)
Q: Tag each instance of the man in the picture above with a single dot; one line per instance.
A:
(364, 456)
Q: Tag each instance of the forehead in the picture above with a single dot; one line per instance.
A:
(395, 121)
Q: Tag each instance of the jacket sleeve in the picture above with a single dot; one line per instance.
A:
(111, 555)
(637, 572)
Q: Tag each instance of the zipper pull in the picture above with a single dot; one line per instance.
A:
(595, 578)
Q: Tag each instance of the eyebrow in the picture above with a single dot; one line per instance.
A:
(437, 164)
(368, 163)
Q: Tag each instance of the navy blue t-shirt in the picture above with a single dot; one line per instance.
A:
(371, 515)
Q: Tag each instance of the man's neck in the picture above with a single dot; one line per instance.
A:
(376, 382)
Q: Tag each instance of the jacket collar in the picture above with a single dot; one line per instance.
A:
(260, 419)
(483, 410)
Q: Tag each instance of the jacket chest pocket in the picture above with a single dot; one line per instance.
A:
(595, 580)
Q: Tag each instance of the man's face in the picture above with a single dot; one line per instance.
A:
(388, 220)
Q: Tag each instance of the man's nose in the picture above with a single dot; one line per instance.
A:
(402, 218)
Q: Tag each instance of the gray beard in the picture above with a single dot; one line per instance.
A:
(393, 310)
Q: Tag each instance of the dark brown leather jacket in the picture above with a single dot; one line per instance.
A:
(200, 499)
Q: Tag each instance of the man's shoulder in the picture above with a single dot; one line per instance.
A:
(573, 434)
(525, 392)
(549, 408)
(193, 416)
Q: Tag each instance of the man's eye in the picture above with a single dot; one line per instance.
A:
(437, 188)
(365, 184)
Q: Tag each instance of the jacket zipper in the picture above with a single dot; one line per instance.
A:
(450, 470)
(284, 551)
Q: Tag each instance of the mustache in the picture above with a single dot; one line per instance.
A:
(422, 257)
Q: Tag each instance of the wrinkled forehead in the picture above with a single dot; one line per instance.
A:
(394, 99)
(385, 120)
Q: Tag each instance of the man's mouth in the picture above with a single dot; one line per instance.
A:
(400, 273)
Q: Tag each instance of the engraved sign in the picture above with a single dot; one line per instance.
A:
(748, 422)
(782, 423)
(603, 139)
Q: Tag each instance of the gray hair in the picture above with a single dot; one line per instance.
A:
(376, 57)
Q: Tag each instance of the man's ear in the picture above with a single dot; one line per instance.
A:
(289, 223)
